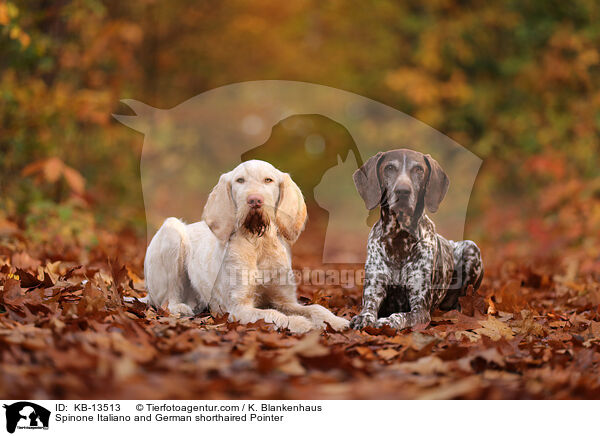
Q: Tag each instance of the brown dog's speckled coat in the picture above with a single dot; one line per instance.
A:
(410, 269)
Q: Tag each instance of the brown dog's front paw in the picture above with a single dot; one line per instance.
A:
(382, 322)
(362, 320)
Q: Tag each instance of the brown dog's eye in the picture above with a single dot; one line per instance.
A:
(268, 180)
(419, 170)
(240, 180)
(390, 168)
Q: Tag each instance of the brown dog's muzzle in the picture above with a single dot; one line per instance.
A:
(402, 195)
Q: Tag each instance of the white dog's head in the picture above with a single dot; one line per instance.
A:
(251, 197)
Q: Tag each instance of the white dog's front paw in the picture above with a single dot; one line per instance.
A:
(338, 324)
(299, 324)
(181, 309)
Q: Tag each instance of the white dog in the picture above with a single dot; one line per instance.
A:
(238, 258)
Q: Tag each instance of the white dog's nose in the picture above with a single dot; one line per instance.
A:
(255, 201)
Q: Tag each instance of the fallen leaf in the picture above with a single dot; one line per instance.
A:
(495, 329)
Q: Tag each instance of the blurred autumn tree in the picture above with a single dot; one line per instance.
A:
(63, 68)
(516, 82)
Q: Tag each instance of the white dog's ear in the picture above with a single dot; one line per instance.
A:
(291, 209)
(219, 211)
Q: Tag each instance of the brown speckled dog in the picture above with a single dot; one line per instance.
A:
(410, 269)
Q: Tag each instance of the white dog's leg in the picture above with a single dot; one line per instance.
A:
(243, 295)
(245, 289)
(204, 262)
(164, 267)
(180, 309)
(320, 315)
(287, 303)
(249, 314)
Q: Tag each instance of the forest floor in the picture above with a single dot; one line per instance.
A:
(66, 332)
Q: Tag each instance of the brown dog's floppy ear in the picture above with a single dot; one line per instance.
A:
(290, 216)
(367, 182)
(437, 184)
(219, 211)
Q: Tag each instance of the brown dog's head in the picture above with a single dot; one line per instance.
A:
(403, 181)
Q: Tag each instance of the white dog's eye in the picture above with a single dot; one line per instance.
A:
(240, 180)
(268, 180)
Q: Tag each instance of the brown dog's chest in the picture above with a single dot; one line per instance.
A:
(398, 247)
(397, 241)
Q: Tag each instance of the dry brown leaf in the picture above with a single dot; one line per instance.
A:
(388, 353)
(428, 365)
(495, 329)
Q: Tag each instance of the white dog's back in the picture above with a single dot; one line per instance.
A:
(172, 251)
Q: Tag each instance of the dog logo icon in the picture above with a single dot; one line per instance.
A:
(26, 415)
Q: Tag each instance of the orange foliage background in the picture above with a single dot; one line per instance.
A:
(516, 82)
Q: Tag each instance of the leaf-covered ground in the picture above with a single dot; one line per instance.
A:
(532, 331)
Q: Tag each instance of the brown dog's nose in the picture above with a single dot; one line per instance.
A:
(403, 191)
(255, 201)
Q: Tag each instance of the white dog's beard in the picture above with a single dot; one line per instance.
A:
(256, 222)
